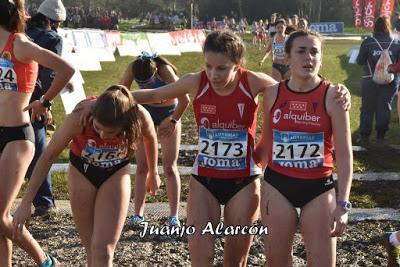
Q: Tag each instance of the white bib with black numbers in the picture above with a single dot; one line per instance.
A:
(298, 149)
(8, 78)
(104, 157)
(222, 149)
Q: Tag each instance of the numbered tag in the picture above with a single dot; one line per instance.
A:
(222, 149)
(8, 78)
(102, 157)
(298, 149)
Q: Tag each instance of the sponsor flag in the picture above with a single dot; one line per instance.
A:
(386, 8)
(358, 11)
(369, 14)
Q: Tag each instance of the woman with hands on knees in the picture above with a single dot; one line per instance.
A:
(302, 126)
(19, 60)
(150, 70)
(98, 175)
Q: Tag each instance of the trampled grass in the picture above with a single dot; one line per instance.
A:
(335, 67)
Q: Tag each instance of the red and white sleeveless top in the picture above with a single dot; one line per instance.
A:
(300, 136)
(15, 75)
(227, 127)
(96, 151)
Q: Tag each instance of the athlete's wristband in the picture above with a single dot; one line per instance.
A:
(45, 103)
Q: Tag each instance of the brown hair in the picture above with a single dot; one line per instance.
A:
(143, 67)
(382, 24)
(12, 15)
(227, 43)
(300, 33)
(116, 108)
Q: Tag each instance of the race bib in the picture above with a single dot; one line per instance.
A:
(103, 157)
(8, 78)
(298, 149)
(222, 149)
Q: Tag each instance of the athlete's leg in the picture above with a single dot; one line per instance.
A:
(170, 151)
(140, 179)
(111, 208)
(14, 162)
(82, 195)
(242, 209)
(315, 226)
(202, 208)
(279, 215)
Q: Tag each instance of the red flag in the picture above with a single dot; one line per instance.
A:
(369, 14)
(357, 11)
(387, 8)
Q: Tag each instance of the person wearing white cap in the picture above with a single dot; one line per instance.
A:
(53, 9)
(42, 29)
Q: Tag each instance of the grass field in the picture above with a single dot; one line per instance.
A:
(335, 68)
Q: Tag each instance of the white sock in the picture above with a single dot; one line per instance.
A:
(393, 239)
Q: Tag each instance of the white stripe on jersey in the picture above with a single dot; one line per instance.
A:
(203, 91)
(244, 90)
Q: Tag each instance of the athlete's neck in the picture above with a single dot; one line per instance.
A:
(304, 85)
(229, 87)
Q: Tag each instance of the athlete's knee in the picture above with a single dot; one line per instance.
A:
(5, 222)
(101, 251)
(170, 171)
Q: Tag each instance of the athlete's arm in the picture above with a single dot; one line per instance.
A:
(186, 85)
(27, 51)
(269, 96)
(151, 149)
(166, 128)
(58, 142)
(267, 52)
(127, 78)
(344, 158)
(259, 81)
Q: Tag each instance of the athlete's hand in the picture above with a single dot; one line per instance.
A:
(21, 217)
(166, 127)
(48, 118)
(85, 109)
(343, 96)
(37, 110)
(340, 220)
(153, 183)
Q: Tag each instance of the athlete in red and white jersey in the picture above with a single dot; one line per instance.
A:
(98, 174)
(226, 132)
(301, 121)
(300, 136)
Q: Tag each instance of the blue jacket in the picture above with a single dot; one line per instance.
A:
(370, 52)
(50, 40)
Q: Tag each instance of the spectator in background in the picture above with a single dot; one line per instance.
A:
(42, 29)
(303, 24)
(376, 99)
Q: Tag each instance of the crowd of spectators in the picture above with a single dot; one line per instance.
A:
(78, 17)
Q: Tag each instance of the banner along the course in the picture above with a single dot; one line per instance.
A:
(357, 12)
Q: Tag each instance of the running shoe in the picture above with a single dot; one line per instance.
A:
(174, 221)
(50, 262)
(135, 220)
(392, 251)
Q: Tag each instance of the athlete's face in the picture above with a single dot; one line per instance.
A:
(220, 70)
(105, 132)
(305, 57)
(280, 28)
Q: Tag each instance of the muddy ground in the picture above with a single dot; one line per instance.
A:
(358, 247)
